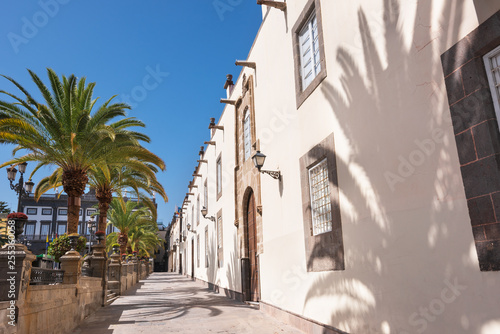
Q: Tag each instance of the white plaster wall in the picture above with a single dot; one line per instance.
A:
(405, 244)
(229, 275)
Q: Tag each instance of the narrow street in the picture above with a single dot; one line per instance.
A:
(171, 303)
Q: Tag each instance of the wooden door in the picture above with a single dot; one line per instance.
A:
(252, 250)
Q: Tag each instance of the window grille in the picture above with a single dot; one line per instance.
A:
(321, 206)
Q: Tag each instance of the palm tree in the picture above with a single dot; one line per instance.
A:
(67, 133)
(129, 216)
(135, 175)
(144, 240)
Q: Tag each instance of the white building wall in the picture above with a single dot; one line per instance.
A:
(410, 261)
(405, 245)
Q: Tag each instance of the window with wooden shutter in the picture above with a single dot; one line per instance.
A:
(309, 53)
(205, 194)
(206, 247)
(247, 133)
(219, 177)
(219, 241)
(492, 64)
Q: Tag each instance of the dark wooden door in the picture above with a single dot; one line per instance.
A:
(252, 250)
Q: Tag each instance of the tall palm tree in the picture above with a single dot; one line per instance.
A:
(144, 240)
(66, 132)
(127, 216)
(135, 175)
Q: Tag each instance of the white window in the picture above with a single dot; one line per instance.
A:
(63, 212)
(46, 212)
(247, 134)
(61, 229)
(29, 229)
(321, 206)
(44, 229)
(492, 62)
(310, 62)
(31, 211)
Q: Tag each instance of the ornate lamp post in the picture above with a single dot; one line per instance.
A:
(91, 227)
(21, 188)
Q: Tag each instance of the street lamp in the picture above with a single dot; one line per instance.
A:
(91, 227)
(204, 212)
(258, 160)
(21, 188)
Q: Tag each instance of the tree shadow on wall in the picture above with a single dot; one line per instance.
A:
(389, 256)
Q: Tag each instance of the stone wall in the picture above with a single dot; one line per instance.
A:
(59, 308)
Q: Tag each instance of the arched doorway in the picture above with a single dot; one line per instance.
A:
(251, 239)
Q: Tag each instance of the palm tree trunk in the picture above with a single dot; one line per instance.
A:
(123, 241)
(74, 204)
(74, 182)
(104, 196)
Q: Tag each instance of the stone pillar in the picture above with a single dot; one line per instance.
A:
(114, 274)
(130, 275)
(71, 263)
(98, 261)
(123, 277)
(15, 274)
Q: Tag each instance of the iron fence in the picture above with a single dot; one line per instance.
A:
(42, 276)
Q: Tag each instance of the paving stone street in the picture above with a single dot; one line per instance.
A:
(171, 303)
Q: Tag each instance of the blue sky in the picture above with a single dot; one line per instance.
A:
(168, 59)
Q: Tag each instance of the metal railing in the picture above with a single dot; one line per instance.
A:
(87, 271)
(41, 276)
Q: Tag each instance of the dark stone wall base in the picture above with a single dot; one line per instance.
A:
(302, 323)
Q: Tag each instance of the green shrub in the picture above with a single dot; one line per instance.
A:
(60, 246)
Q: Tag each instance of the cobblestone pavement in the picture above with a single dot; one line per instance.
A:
(170, 303)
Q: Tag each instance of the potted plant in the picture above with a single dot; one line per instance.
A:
(19, 219)
(116, 248)
(73, 240)
(60, 245)
(100, 235)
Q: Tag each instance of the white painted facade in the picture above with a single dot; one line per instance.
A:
(410, 261)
